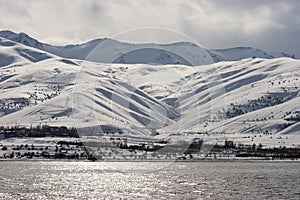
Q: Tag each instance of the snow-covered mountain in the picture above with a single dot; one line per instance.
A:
(252, 97)
(112, 51)
(239, 53)
(12, 53)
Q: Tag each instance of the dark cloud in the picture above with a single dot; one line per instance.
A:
(273, 25)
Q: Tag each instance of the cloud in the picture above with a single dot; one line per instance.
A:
(271, 25)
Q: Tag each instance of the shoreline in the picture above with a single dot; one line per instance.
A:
(163, 161)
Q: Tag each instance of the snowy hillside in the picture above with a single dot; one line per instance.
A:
(253, 98)
(239, 53)
(112, 51)
(15, 53)
(234, 54)
(248, 96)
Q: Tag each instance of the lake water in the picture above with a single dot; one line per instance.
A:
(149, 180)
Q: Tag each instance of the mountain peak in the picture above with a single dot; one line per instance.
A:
(22, 38)
(174, 53)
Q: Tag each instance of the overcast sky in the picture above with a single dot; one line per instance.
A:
(271, 25)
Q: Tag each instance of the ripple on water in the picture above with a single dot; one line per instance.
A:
(125, 180)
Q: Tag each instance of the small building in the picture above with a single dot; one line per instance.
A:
(229, 144)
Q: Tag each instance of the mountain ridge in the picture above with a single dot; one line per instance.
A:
(122, 52)
(252, 97)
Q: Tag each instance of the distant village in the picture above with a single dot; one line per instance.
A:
(37, 131)
(116, 147)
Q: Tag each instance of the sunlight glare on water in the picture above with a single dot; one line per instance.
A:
(118, 180)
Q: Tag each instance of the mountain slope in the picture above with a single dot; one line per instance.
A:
(12, 53)
(238, 53)
(250, 100)
(248, 96)
(112, 51)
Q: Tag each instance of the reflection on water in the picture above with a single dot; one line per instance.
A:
(117, 180)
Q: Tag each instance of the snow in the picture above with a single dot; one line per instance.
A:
(234, 99)
(141, 95)
(293, 129)
(15, 53)
(239, 53)
(112, 51)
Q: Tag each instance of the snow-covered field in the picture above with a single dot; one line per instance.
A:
(254, 100)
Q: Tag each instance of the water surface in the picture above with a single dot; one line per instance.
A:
(128, 180)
